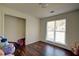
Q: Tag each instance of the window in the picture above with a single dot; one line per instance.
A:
(56, 31)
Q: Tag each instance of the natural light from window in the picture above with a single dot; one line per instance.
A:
(56, 31)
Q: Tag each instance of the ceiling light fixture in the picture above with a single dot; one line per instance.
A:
(51, 11)
(43, 5)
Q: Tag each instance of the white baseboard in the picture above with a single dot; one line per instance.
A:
(57, 44)
(27, 43)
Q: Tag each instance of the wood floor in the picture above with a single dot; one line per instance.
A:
(42, 49)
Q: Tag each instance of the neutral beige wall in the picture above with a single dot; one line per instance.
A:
(14, 28)
(72, 28)
(31, 23)
(1, 22)
(1, 26)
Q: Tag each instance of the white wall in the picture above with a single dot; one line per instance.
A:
(72, 28)
(32, 23)
(14, 28)
(32, 30)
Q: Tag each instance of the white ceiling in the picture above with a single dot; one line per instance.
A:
(35, 9)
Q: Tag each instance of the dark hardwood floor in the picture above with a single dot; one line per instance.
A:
(42, 49)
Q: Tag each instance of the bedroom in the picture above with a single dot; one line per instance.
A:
(35, 28)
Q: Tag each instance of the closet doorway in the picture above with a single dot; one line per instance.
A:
(14, 28)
